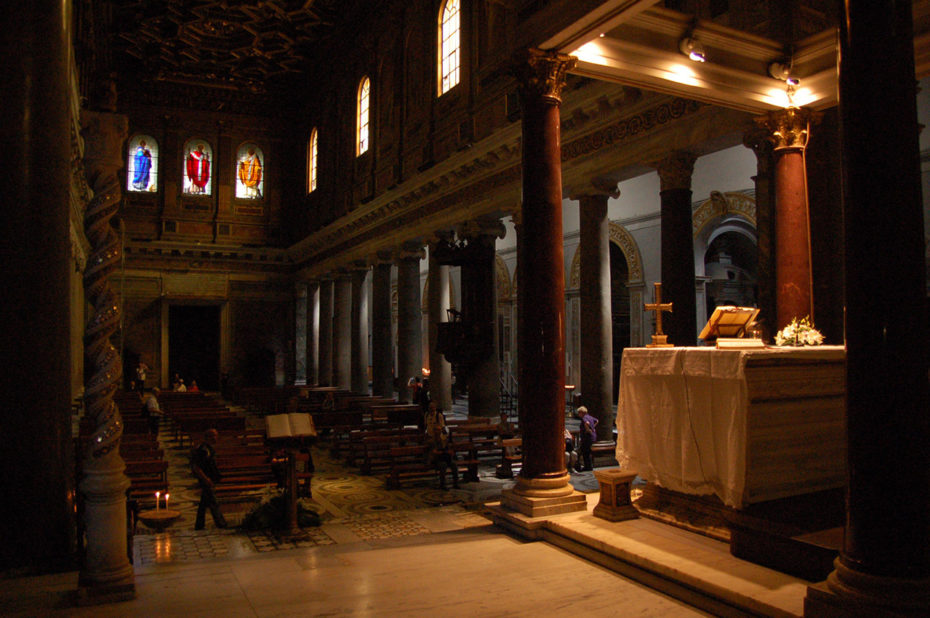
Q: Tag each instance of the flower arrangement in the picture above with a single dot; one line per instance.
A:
(799, 333)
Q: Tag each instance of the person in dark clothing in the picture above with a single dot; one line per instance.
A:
(437, 437)
(203, 465)
(587, 434)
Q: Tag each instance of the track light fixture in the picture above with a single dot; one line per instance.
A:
(692, 48)
(782, 72)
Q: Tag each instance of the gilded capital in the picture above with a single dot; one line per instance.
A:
(675, 170)
(789, 128)
(541, 74)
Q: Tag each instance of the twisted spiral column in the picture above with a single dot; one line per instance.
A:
(107, 574)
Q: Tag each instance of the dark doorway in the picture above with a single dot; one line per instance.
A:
(194, 345)
(731, 265)
(260, 368)
(619, 310)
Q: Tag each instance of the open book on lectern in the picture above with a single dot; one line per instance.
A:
(293, 425)
(729, 322)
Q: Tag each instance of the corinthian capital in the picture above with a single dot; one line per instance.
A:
(675, 170)
(789, 128)
(541, 74)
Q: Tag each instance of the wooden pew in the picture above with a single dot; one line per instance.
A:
(377, 450)
(475, 441)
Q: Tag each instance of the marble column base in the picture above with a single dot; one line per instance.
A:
(532, 506)
(850, 593)
(102, 595)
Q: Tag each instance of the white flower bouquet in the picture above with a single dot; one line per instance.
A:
(799, 333)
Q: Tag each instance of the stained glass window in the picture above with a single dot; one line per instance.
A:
(449, 46)
(198, 167)
(312, 148)
(364, 95)
(142, 166)
(250, 172)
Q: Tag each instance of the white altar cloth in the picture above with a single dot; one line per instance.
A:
(682, 415)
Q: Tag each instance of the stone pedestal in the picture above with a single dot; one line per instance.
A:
(615, 504)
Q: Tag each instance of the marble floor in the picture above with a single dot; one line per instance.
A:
(421, 551)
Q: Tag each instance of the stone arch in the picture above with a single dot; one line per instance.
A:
(626, 243)
(721, 206)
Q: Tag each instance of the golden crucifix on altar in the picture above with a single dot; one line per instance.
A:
(660, 339)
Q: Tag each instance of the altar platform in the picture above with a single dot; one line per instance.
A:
(691, 567)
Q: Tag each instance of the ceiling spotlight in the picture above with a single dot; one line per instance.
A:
(782, 72)
(693, 49)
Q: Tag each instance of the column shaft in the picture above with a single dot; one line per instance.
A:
(300, 333)
(342, 332)
(678, 281)
(479, 309)
(313, 333)
(360, 332)
(326, 332)
(793, 294)
(542, 281)
(409, 339)
(437, 303)
(382, 350)
(596, 335)
(884, 567)
(36, 158)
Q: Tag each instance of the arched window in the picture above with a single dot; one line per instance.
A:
(364, 96)
(312, 149)
(450, 46)
(198, 167)
(142, 166)
(250, 172)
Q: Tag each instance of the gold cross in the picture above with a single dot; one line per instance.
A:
(659, 340)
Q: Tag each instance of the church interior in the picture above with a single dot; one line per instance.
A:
(529, 205)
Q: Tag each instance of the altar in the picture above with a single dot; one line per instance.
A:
(748, 426)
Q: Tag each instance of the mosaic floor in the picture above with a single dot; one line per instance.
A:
(353, 508)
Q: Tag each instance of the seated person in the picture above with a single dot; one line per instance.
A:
(571, 457)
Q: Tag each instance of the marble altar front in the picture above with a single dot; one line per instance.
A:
(746, 425)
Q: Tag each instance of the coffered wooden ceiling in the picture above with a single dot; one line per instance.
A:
(238, 44)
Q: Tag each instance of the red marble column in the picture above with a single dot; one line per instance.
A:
(884, 567)
(678, 282)
(790, 130)
(541, 76)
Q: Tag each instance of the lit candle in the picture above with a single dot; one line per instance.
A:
(166, 501)
(157, 495)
